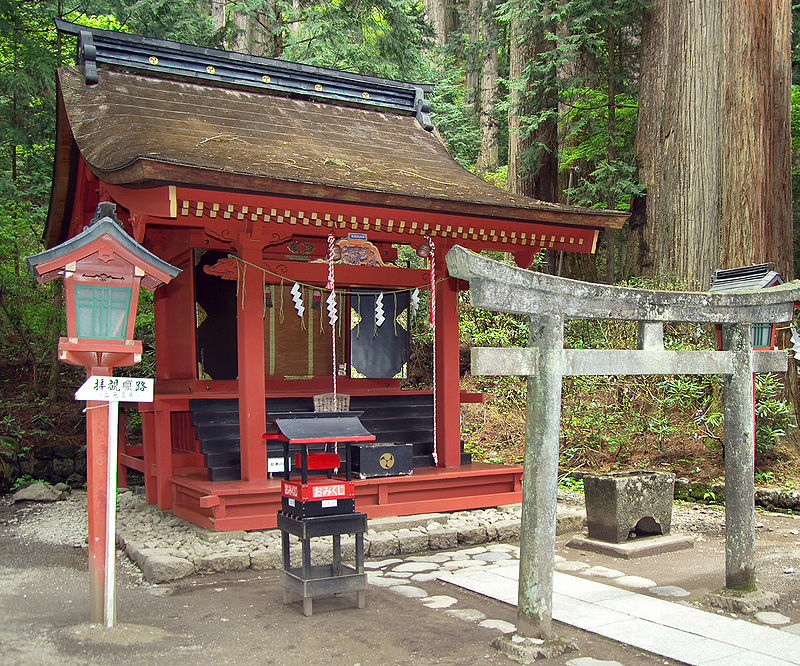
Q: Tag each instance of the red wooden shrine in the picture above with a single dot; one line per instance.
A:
(236, 169)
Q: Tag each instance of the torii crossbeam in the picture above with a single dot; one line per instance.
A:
(548, 301)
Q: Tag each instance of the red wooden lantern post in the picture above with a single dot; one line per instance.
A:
(103, 269)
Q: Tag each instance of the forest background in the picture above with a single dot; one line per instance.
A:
(684, 114)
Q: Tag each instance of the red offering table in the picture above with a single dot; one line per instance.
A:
(321, 506)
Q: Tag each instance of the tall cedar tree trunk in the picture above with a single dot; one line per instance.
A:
(611, 201)
(254, 32)
(442, 16)
(519, 53)
(714, 137)
(574, 265)
(532, 156)
(488, 156)
(474, 54)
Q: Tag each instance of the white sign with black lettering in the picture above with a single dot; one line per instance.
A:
(121, 389)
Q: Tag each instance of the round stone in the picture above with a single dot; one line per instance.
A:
(492, 557)
(380, 564)
(771, 617)
(409, 591)
(475, 551)
(424, 577)
(603, 572)
(571, 566)
(500, 625)
(461, 564)
(467, 614)
(416, 567)
(635, 582)
(439, 601)
(380, 581)
(669, 591)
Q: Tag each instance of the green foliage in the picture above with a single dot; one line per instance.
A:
(673, 422)
(586, 138)
(180, 20)
(570, 484)
(375, 37)
(568, 80)
(25, 480)
(773, 414)
(453, 113)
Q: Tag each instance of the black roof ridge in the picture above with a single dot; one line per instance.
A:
(209, 65)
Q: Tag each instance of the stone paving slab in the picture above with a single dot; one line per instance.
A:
(673, 630)
(673, 643)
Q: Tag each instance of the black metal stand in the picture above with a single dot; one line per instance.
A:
(306, 581)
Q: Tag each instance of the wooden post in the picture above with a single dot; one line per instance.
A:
(540, 481)
(740, 533)
(149, 453)
(163, 432)
(96, 480)
(252, 369)
(448, 398)
(109, 568)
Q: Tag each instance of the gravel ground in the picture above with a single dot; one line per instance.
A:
(237, 617)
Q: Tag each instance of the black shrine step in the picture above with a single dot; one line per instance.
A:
(400, 418)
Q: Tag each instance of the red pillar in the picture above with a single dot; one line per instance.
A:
(252, 374)
(96, 480)
(448, 398)
(149, 453)
(163, 437)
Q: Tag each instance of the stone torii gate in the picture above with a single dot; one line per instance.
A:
(549, 301)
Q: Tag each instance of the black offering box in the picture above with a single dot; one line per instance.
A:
(378, 459)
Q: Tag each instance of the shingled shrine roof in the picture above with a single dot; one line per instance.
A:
(162, 112)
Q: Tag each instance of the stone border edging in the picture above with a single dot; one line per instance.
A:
(168, 548)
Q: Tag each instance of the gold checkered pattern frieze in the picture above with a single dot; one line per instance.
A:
(361, 223)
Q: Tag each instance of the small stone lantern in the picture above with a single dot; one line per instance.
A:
(103, 269)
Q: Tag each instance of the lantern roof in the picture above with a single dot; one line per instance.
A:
(745, 278)
(102, 230)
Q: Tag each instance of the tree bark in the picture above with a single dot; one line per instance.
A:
(756, 215)
(713, 137)
(253, 32)
(218, 14)
(489, 154)
(474, 54)
(441, 14)
(519, 53)
(611, 202)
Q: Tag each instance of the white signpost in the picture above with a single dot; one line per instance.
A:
(113, 390)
